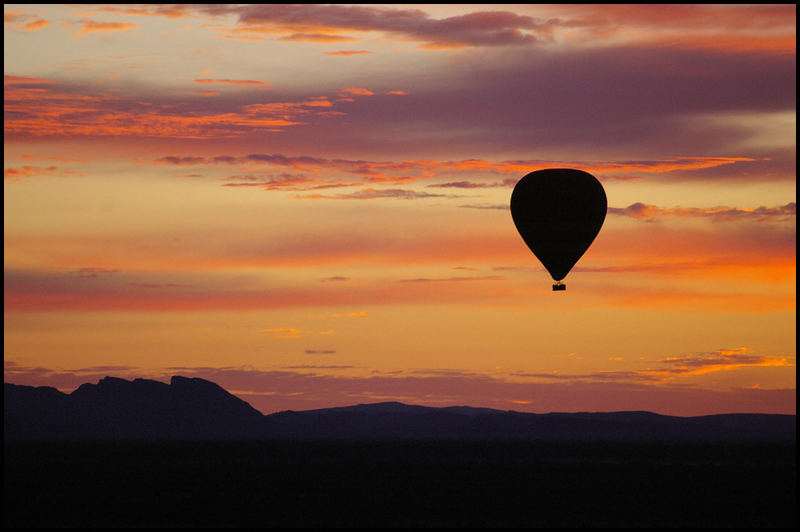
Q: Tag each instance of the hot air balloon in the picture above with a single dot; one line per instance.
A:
(558, 212)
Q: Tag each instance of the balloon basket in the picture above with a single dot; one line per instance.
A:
(559, 286)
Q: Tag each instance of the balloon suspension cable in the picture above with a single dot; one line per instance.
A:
(558, 285)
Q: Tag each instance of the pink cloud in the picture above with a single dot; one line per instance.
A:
(721, 213)
(451, 279)
(349, 52)
(232, 81)
(356, 91)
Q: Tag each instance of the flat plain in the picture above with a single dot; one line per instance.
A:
(398, 484)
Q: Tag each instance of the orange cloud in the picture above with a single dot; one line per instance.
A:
(719, 360)
(91, 26)
(732, 43)
(316, 37)
(11, 16)
(283, 332)
(23, 80)
(173, 11)
(20, 20)
(37, 25)
(18, 175)
(40, 108)
(755, 27)
(356, 91)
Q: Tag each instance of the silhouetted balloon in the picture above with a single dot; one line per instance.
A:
(558, 212)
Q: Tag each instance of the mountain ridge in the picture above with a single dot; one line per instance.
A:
(198, 409)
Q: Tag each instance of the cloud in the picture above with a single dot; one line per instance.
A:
(335, 278)
(154, 10)
(91, 26)
(316, 37)
(371, 193)
(283, 181)
(484, 28)
(469, 184)
(349, 52)
(642, 211)
(37, 25)
(25, 81)
(283, 332)
(726, 28)
(410, 170)
(718, 360)
(11, 16)
(62, 110)
(673, 368)
(178, 161)
(157, 285)
(695, 99)
(318, 366)
(22, 21)
(449, 279)
(700, 101)
(745, 28)
(705, 266)
(490, 207)
(231, 81)
(93, 273)
(17, 174)
(356, 91)
(320, 351)
(43, 108)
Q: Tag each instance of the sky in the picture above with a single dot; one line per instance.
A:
(308, 204)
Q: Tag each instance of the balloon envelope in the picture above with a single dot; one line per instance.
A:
(558, 212)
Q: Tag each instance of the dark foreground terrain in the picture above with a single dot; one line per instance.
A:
(398, 484)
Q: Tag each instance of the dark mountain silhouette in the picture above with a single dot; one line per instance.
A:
(197, 409)
(119, 409)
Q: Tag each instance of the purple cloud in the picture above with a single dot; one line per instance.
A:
(648, 212)
(484, 28)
